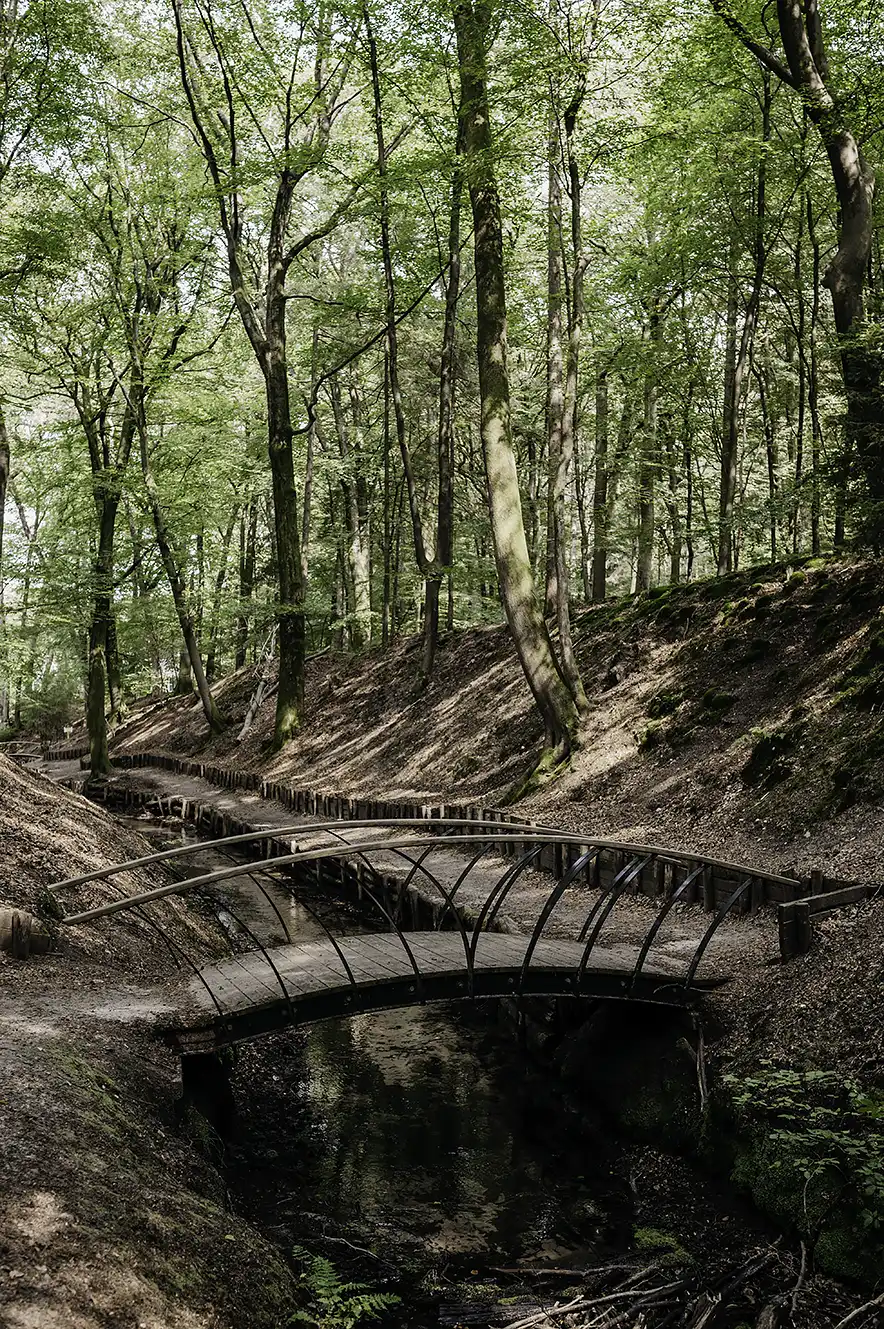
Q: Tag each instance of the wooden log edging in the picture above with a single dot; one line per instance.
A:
(714, 882)
(67, 751)
(412, 905)
(795, 918)
(712, 886)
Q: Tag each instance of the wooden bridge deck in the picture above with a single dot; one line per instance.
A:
(308, 981)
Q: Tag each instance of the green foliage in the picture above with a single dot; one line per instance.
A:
(716, 702)
(826, 1131)
(664, 1245)
(333, 1303)
(665, 703)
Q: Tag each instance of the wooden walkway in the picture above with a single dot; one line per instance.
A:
(247, 995)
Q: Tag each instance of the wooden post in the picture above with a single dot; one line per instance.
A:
(795, 928)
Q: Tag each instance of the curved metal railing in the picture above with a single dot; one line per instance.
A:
(606, 870)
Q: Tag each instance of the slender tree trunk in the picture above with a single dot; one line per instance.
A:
(648, 460)
(600, 494)
(445, 438)
(106, 502)
(729, 431)
(4, 648)
(220, 579)
(430, 568)
(807, 71)
(515, 578)
(797, 504)
(179, 594)
(4, 479)
(306, 519)
(770, 448)
(813, 386)
(580, 492)
(738, 360)
(114, 671)
(568, 436)
(359, 580)
(248, 538)
(689, 500)
(555, 394)
(290, 611)
(388, 516)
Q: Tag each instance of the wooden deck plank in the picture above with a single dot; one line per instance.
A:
(245, 982)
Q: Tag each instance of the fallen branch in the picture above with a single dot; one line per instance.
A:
(261, 691)
(702, 1080)
(559, 1309)
(855, 1315)
(802, 1275)
(641, 1297)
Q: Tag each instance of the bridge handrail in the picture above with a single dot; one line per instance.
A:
(307, 855)
(497, 832)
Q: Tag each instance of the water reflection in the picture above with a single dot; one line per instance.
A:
(415, 1129)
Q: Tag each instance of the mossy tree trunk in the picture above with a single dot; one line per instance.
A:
(515, 577)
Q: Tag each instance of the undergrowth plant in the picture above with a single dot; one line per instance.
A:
(333, 1303)
(826, 1129)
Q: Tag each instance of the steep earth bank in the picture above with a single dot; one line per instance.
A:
(742, 713)
(111, 1210)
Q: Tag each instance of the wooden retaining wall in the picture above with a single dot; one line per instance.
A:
(663, 875)
(412, 907)
(797, 901)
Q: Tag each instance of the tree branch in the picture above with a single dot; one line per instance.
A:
(761, 53)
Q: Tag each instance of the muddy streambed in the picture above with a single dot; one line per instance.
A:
(419, 1149)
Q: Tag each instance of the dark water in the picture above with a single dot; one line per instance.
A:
(421, 1136)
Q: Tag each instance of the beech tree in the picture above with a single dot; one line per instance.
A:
(518, 593)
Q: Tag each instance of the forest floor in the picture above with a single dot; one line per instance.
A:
(111, 1211)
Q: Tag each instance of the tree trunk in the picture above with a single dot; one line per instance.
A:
(648, 460)
(568, 435)
(114, 671)
(555, 398)
(220, 579)
(770, 448)
(802, 389)
(248, 537)
(729, 431)
(359, 579)
(290, 611)
(807, 71)
(600, 493)
(179, 594)
(431, 568)
(445, 438)
(106, 502)
(4, 481)
(306, 519)
(515, 578)
(388, 515)
(813, 387)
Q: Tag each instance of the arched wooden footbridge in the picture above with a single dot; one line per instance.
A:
(269, 987)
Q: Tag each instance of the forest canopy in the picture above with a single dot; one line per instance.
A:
(327, 323)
